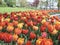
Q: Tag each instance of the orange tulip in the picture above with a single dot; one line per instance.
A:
(15, 23)
(15, 37)
(20, 41)
(54, 32)
(1, 27)
(50, 28)
(44, 41)
(10, 24)
(17, 31)
(10, 28)
(57, 26)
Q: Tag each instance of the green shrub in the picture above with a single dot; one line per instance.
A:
(11, 3)
(3, 4)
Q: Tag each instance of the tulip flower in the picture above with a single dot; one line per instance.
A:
(44, 34)
(10, 28)
(2, 24)
(42, 28)
(28, 43)
(20, 25)
(20, 41)
(32, 35)
(1, 27)
(54, 32)
(5, 15)
(15, 37)
(44, 41)
(43, 21)
(7, 19)
(25, 31)
(1, 36)
(7, 38)
(57, 26)
(16, 18)
(59, 37)
(15, 23)
(17, 31)
(50, 28)
(35, 28)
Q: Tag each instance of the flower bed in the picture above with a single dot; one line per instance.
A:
(29, 28)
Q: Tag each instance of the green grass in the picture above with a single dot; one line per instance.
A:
(13, 9)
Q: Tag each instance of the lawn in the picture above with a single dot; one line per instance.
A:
(11, 9)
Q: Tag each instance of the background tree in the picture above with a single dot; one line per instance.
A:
(23, 3)
(58, 4)
(0, 1)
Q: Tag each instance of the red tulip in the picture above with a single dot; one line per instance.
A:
(30, 23)
(25, 31)
(15, 23)
(28, 43)
(39, 19)
(2, 24)
(42, 28)
(34, 23)
(32, 35)
(1, 36)
(7, 38)
(16, 18)
(5, 15)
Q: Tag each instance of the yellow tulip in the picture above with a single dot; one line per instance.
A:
(20, 41)
(54, 32)
(57, 22)
(43, 21)
(10, 28)
(35, 27)
(7, 19)
(20, 25)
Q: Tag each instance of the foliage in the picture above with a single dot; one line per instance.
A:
(10, 3)
(58, 3)
(23, 3)
(0, 1)
(2, 4)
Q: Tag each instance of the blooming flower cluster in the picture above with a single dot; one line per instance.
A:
(35, 27)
